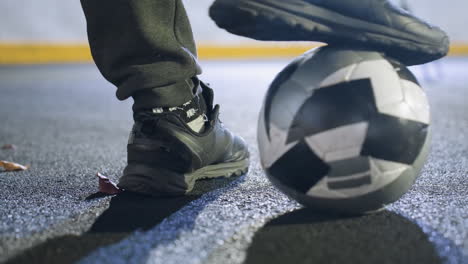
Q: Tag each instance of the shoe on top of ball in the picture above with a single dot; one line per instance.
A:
(344, 130)
(375, 24)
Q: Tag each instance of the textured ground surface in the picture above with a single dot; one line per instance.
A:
(67, 126)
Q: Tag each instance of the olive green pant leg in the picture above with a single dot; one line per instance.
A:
(145, 48)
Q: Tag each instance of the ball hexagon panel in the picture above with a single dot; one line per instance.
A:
(417, 101)
(326, 62)
(272, 98)
(394, 139)
(294, 168)
(286, 103)
(379, 174)
(385, 81)
(273, 146)
(392, 84)
(332, 107)
(339, 143)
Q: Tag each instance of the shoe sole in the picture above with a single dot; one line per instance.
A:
(145, 179)
(226, 170)
(298, 20)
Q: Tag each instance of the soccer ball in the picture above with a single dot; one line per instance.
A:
(344, 130)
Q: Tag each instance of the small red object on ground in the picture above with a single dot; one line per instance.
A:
(107, 186)
(9, 146)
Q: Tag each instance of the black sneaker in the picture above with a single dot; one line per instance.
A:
(166, 157)
(375, 24)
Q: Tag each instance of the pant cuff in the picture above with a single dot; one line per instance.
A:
(167, 96)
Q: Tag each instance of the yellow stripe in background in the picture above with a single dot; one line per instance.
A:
(459, 50)
(79, 53)
(251, 51)
(43, 53)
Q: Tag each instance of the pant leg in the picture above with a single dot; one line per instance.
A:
(145, 48)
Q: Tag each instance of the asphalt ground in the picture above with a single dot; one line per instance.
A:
(67, 125)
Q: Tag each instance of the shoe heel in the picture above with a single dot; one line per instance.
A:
(145, 179)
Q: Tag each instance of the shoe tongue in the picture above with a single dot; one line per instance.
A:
(207, 94)
(199, 95)
(202, 106)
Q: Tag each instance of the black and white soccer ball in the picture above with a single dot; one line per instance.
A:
(344, 130)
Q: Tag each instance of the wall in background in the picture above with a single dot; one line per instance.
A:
(62, 21)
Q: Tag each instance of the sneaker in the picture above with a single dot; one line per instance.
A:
(375, 24)
(166, 156)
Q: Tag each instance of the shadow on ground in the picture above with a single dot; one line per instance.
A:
(303, 236)
(127, 213)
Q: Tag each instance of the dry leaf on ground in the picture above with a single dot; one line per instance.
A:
(11, 166)
(107, 186)
(8, 146)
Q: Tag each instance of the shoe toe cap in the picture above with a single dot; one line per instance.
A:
(432, 35)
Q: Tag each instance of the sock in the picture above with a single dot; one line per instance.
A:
(192, 112)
